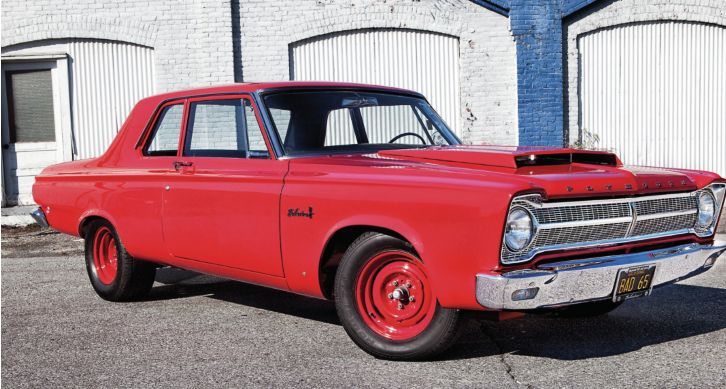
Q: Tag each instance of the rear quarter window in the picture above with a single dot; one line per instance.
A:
(165, 140)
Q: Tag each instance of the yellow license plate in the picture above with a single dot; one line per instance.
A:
(634, 282)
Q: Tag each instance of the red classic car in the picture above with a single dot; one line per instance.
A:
(362, 194)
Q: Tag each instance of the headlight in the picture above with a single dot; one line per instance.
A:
(519, 230)
(706, 209)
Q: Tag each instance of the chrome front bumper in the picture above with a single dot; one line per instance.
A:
(572, 282)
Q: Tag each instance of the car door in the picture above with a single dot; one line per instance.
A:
(137, 199)
(221, 202)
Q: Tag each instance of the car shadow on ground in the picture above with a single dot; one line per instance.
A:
(674, 312)
(671, 313)
(177, 283)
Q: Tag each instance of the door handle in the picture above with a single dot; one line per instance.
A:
(178, 165)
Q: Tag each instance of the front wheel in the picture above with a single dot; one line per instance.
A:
(386, 303)
(114, 274)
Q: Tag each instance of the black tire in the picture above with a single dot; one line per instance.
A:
(133, 278)
(437, 335)
(585, 310)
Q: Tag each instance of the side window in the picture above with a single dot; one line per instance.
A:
(224, 128)
(339, 129)
(255, 139)
(165, 141)
(281, 118)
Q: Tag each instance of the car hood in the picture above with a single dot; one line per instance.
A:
(560, 172)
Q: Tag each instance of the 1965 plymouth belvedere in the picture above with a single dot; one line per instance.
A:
(363, 195)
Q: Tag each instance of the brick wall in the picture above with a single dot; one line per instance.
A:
(537, 29)
(192, 38)
(205, 42)
(487, 51)
(511, 80)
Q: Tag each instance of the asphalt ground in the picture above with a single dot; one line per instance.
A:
(197, 331)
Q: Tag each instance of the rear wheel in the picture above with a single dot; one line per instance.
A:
(387, 304)
(114, 274)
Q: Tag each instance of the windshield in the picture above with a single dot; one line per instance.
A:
(354, 121)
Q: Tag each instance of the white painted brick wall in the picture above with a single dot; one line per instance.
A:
(194, 41)
(191, 38)
(487, 51)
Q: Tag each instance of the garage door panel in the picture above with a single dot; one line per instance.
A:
(656, 93)
(108, 79)
(416, 60)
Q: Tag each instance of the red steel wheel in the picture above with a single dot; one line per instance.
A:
(114, 274)
(394, 295)
(105, 255)
(386, 303)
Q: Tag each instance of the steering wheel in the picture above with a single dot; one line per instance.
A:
(399, 136)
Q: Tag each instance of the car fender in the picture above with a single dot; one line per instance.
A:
(381, 221)
(95, 212)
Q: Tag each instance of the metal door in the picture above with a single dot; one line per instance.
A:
(656, 93)
(222, 205)
(32, 126)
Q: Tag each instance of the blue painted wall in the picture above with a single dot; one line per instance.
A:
(537, 30)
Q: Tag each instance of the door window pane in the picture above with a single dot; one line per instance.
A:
(257, 145)
(166, 134)
(281, 118)
(30, 106)
(220, 128)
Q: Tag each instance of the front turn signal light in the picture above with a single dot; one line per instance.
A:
(524, 294)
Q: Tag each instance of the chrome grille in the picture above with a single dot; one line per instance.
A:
(648, 207)
(570, 235)
(664, 224)
(581, 212)
(592, 222)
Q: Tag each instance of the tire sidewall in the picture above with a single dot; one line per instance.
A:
(345, 298)
(106, 291)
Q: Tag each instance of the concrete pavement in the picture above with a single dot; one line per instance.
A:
(197, 331)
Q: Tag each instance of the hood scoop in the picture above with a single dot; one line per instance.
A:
(513, 157)
(560, 172)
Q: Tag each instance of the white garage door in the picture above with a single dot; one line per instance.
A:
(656, 93)
(109, 78)
(424, 62)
